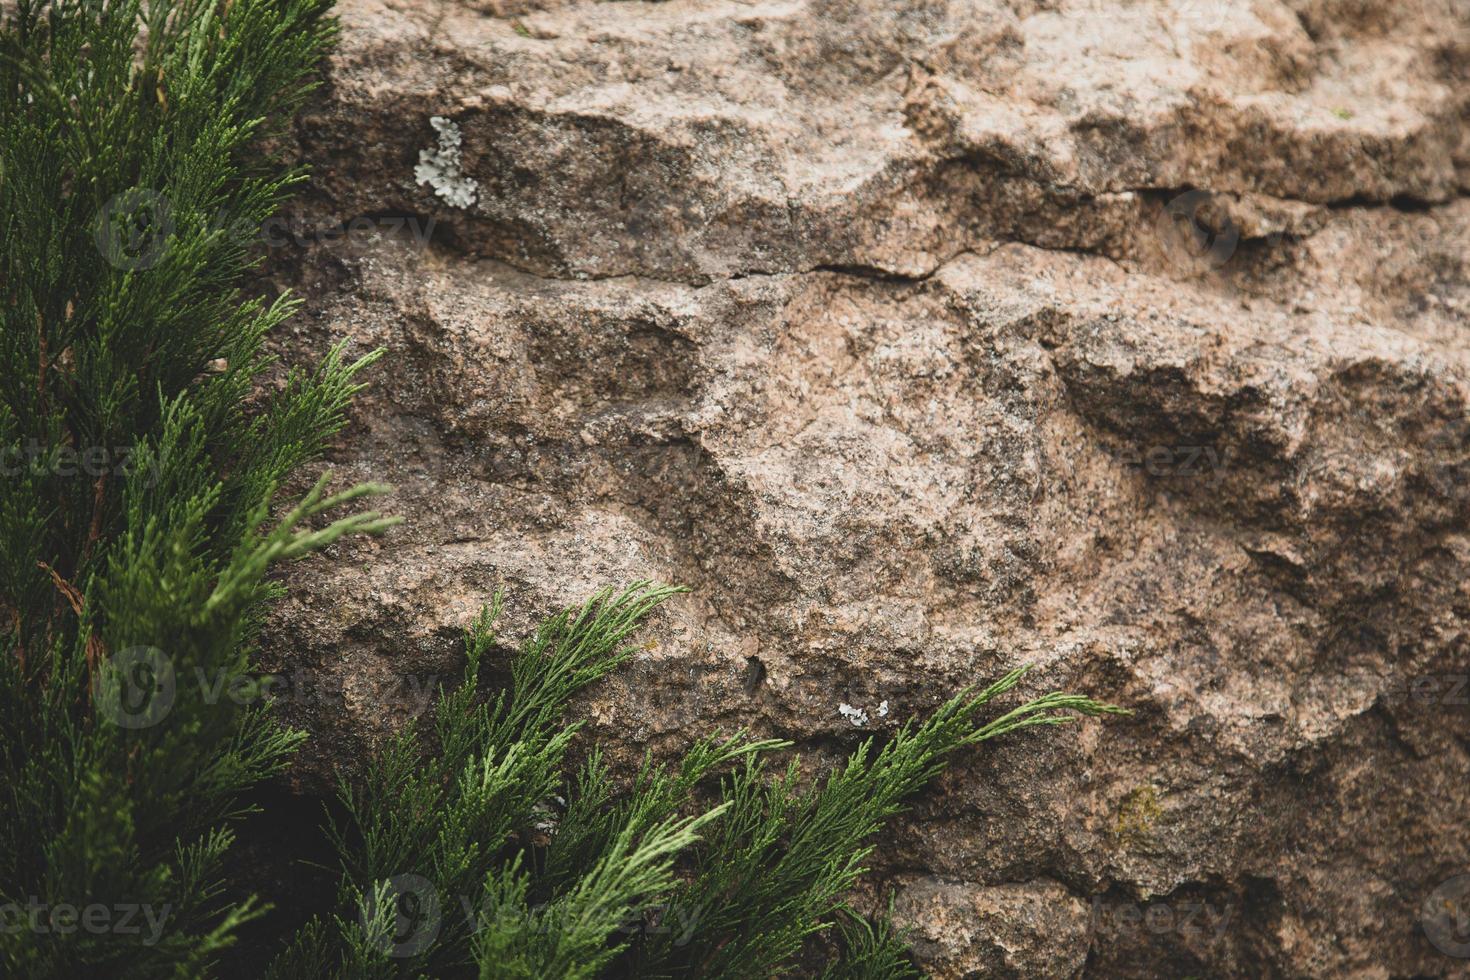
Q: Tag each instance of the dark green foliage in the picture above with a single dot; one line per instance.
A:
(456, 863)
(135, 526)
(872, 951)
(426, 833)
(776, 867)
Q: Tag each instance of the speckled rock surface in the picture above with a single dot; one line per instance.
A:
(921, 340)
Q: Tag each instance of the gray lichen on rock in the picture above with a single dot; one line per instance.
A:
(440, 166)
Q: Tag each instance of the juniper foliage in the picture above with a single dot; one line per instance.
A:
(135, 522)
(471, 861)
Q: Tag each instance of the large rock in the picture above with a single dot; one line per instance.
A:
(922, 340)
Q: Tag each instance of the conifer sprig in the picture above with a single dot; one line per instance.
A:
(774, 871)
(481, 859)
(135, 522)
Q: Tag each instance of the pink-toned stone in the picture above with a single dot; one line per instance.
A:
(893, 331)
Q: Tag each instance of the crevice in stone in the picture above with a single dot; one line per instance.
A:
(449, 236)
(876, 274)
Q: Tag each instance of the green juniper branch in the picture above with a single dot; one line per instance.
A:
(775, 870)
(455, 866)
(135, 523)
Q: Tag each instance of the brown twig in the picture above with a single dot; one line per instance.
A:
(95, 650)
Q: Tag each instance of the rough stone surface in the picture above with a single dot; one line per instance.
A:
(922, 339)
(1036, 929)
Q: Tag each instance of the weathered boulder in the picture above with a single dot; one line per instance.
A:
(921, 340)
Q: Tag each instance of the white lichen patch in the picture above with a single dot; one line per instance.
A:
(440, 166)
(858, 716)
